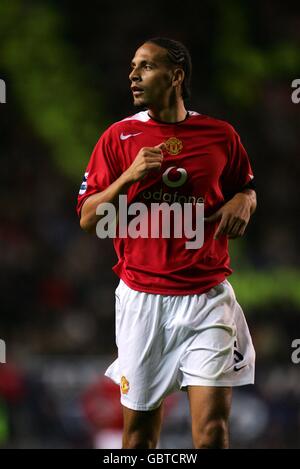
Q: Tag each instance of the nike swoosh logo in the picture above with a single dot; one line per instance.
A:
(125, 137)
(238, 369)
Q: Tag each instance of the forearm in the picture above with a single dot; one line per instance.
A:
(89, 218)
(148, 159)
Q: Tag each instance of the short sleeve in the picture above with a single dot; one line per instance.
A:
(102, 170)
(237, 172)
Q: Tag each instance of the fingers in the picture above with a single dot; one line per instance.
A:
(153, 156)
(230, 226)
(238, 230)
(214, 217)
(147, 159)
(222, 229)
(161, 146)
(157, 149)
(153, 165)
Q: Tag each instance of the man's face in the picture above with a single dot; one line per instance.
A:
(151, 76)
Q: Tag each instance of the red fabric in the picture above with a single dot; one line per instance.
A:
(12, 387)
(101, 405)
(102, 408)
(216, 165)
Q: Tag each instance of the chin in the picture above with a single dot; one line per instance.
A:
(139, 102)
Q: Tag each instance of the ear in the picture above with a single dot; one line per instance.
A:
(178, 77)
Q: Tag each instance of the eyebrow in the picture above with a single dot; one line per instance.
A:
(143, 62)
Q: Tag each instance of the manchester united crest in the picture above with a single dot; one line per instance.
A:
(124, 385)
(173, 146)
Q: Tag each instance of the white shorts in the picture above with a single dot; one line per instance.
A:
(166, 343)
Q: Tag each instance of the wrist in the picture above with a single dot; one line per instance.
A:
(126, 180)
(248, 196)
(242, 195)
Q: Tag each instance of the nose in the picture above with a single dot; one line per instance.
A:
(134, 76)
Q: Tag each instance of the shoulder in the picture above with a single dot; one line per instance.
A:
(214, 123)
(128, 125)
(130, 122)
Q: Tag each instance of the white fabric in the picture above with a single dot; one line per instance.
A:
(140, 116)
(143, 116)
(166, 343)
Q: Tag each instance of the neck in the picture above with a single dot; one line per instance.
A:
(172, 113)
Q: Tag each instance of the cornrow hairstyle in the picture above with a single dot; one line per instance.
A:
(178, 55)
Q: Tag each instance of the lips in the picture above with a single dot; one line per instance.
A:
(136, 89)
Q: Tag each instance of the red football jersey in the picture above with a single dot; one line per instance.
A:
(204, 161)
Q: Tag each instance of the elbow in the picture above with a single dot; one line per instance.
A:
(87, 221)
(85, 225)
(82, 224)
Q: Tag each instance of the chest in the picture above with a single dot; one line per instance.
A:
(190, 160)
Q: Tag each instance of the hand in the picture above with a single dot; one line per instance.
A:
(234, 216)
(147, 159)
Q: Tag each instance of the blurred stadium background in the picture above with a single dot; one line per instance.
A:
(65, 65)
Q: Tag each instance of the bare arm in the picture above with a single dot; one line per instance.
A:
(146, 160)
(89, 219)
(235, 214)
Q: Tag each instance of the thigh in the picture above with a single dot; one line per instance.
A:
(220, 352)
(146, 368)
(141, 429)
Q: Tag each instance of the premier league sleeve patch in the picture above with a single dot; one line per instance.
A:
(83, 186)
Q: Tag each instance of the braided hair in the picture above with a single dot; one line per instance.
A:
(178, 55)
